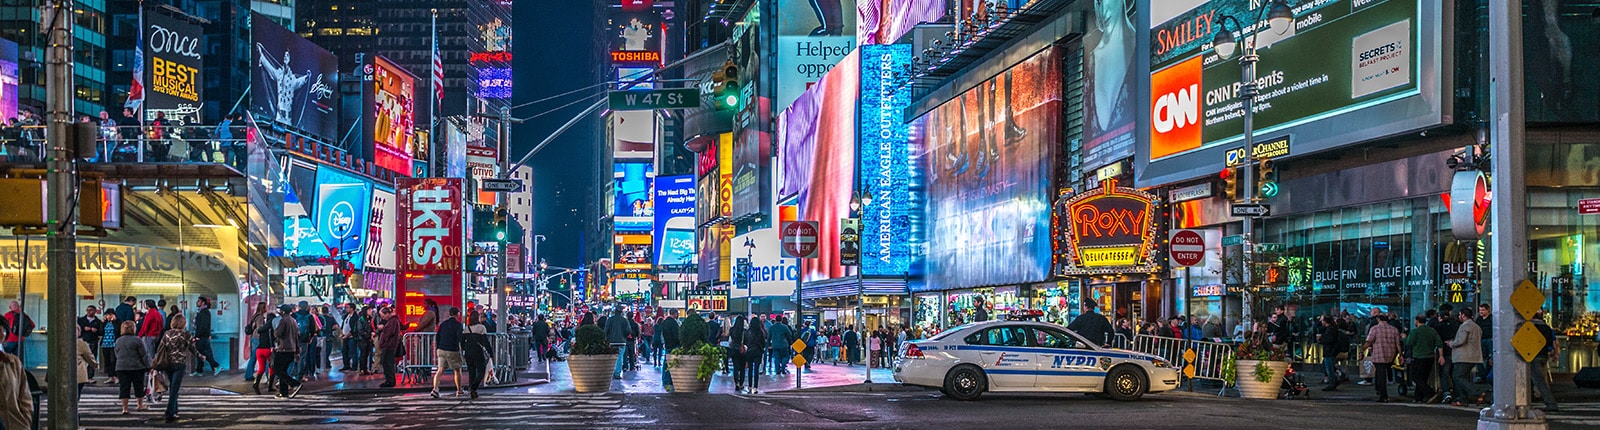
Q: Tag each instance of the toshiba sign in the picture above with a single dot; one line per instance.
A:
(1175, 109)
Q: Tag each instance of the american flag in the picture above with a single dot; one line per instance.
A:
(438, 64)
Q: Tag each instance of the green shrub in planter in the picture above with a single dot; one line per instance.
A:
(591, 340)
(693, 334)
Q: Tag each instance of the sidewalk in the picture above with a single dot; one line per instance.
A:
(647, 380)
(332, 382)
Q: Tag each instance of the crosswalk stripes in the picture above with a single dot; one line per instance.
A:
(506, 410)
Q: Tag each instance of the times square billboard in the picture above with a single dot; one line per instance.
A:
(990, 186)
(389, 105)
(294, 83)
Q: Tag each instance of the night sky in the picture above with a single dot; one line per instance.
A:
(555, 52)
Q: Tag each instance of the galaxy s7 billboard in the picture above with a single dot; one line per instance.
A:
(294, 81)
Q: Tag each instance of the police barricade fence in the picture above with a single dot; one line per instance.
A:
(1209, 357)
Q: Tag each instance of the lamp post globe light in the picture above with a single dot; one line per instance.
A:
(1279, 19)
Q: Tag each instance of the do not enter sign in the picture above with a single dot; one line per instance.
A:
(800, 239)
(1188, 248)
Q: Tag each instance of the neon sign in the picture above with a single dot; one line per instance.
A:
(1104, 231)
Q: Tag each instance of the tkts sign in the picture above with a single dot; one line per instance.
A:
(429, 225)
(1105, 231)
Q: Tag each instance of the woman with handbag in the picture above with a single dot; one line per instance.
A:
(172, 358)
(477, 348)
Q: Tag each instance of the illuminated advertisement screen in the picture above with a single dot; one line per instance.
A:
(343, 205)
(295, 82)
(634, 185)
(174, 58)
(1109, 83)
(380, 252)
(891, 227)
(8, 79)
(391, 111)
(633, 134)
(1339, 73)
(674, 220)
(430, 224)
(990, 178)
(824, 167)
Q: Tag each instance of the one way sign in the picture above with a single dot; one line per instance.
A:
(1251, 209)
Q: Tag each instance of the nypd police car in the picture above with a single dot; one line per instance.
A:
(1028, 356)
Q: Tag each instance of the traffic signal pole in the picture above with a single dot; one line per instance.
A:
(62, 227)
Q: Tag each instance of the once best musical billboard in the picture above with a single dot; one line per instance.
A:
(991, 155)
(294, 81)
(390, 104)
(1339, 74)
(173, 55)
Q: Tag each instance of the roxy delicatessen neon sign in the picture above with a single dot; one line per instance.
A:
(1105, 231)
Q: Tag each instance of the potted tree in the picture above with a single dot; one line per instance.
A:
(693, 363)
(592, 360)
(1257, 368)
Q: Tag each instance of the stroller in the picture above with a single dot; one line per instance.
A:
(1293, 385)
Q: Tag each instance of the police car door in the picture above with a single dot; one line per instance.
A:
(1065, 363)
(1004, 355)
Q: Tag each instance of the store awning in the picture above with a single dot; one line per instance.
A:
(850, 286)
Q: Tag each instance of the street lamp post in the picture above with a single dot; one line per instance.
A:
(1279, 18)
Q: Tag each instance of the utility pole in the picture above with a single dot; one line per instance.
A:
(62, 227)
(1508, 243)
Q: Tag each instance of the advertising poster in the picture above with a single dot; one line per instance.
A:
(633, 134)
(634, 207)
(990, 181)
(1369, 67)
(884, 21)
(633, 252)
(380, 252)
(824, 194)
(1109, 82)
(391, 114)
(674, 220)
(770, 273)
(295, 82)
(173, 56)
(813, 35)
(430, 224)
(891, 226)
(635, 37)
(343, 205)
(8, 79)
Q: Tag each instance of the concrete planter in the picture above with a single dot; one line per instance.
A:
(1250, 388)
(684, 369)
(591, 373)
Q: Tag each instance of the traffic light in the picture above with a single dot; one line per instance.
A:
(1230, 183)
(1267, 179)
(725, 87)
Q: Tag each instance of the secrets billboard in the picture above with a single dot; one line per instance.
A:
(343, 205)
(390, 112)
(1338, 74)
(674, 220)
(990, 181)
(891, 226)
(294, 81)
(174, 58)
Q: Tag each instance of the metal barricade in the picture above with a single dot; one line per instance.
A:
(1208, 356)
(419, 362)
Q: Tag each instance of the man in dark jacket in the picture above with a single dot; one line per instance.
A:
(389, 346)
(202, 338)
(1091, 325)
(285, 350)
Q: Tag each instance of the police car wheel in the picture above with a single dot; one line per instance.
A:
(1125, 384)
(965, 383)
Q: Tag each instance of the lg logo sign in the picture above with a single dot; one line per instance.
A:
(1175, 109)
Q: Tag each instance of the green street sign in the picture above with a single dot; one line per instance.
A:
(671, 98)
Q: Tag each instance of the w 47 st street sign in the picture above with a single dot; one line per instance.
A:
(670, 98)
